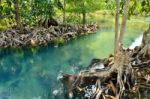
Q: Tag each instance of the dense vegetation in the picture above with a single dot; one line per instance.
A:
(37, 12)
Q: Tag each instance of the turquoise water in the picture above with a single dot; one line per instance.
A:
(31, 73)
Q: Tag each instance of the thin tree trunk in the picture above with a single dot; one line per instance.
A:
(83, 17)
(83, 13)
(117, 26)
(124, 19)
(17, 13)
(64, 12)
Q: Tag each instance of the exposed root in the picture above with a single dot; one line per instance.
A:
(14, 37)
(125, 75)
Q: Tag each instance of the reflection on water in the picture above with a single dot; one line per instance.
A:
(31, 73)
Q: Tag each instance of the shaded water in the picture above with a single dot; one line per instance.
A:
(31, 73)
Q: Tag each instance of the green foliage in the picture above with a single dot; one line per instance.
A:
(109, 4)
(73, 18)
(78, 6)
(43, 8)
(137, 7)
(145, 4)
(2, 27)
(31, 11)
(83, 7)
(6, 9)
(58, 4)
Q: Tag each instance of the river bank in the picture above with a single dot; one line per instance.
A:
(13, 37)
(127, 77)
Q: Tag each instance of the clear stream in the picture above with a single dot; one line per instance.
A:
(31, 73)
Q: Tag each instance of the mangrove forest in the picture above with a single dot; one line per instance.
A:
(74, 49)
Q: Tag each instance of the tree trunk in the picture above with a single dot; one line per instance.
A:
(83, 17)
(83, 13)
(145, 38)
(17, 13)
(116, 47)
(124, 19)
(64, 12)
